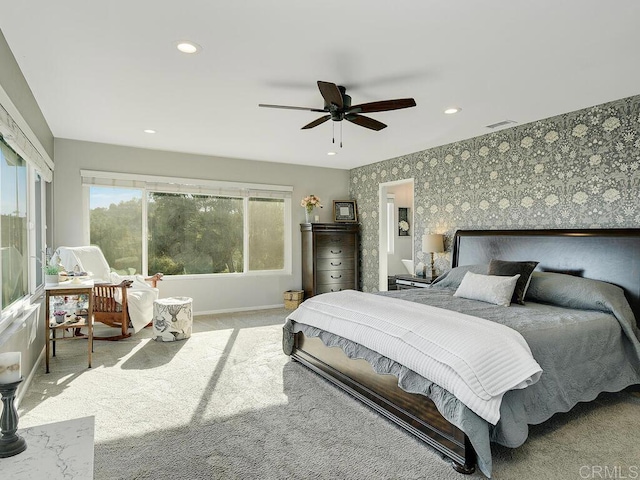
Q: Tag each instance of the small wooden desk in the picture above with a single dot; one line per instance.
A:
(62, 289)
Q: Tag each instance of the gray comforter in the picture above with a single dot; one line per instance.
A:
(581, 332)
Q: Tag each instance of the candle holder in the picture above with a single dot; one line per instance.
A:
(10, 443)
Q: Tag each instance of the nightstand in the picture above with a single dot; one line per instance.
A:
(404, 282)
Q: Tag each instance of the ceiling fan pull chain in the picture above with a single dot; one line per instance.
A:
(340, 134)
(333, 132)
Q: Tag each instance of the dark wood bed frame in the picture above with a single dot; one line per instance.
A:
(609, 255)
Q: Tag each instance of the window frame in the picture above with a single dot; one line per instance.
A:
(21, 308)
(177, 185)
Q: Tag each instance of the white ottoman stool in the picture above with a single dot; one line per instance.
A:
(172, 319)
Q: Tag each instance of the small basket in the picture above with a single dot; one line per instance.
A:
(293, 299)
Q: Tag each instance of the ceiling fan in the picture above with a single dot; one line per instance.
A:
(337, 106)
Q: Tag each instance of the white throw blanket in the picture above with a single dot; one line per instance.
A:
(475, 359)
(90, 259)
(140, 298)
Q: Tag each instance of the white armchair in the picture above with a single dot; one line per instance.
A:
(118, 300)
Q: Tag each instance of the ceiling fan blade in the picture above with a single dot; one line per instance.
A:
(383, 106)
(365, 122)
(330, 93)
(316, 122)
(292, 108)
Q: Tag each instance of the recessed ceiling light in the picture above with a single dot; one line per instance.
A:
(331, 153)
(188, 47)
(149, 130)
(452, 110)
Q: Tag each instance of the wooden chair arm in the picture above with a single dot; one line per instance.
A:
(123, 283)
(154, 279)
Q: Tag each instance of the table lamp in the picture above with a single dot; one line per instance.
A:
(432, 243)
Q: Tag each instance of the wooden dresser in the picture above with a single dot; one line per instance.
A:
(329, 257)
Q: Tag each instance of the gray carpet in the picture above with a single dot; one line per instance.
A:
(227, 404)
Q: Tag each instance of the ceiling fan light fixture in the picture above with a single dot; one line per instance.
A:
(188, 47)
(337, 107)
(452, 110)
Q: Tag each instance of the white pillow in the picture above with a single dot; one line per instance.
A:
(487, 288)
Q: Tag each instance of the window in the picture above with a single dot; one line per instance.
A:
(38, 229)
(13, 226)
(391, 223)
(188, 227)
(116, 225)
(266, 234)
(195, 234)
(24, 168)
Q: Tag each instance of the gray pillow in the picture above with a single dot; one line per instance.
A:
(495, 289)
(585, 294)
(453, 277)
(509, 269)
(573, 292)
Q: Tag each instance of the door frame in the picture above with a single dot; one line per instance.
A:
(383, 267)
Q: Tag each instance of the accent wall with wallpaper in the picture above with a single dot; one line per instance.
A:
(576, 170)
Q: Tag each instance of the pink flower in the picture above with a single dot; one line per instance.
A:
(310, 202)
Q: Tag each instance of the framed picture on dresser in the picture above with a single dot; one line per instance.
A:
(345, 211)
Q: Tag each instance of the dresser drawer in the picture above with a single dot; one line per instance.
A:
(335, 251)
(335, 276)
(335, 263)
(335, 287)
(335, 240)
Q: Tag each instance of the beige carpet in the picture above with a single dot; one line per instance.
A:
(227, 404)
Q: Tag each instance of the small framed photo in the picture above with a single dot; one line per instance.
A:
(344, 211)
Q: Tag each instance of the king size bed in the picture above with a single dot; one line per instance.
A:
(457, 369)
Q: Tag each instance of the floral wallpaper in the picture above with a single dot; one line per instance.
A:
(577, 170)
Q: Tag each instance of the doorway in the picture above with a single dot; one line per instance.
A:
(396, 239)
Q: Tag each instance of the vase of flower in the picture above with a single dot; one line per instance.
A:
(309, 203)
(59, 316)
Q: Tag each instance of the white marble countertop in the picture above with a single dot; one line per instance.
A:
(62, 450)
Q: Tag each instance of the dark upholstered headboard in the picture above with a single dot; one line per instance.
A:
(609, 255)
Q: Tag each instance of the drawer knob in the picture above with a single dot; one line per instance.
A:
(336, 264)
(335, 253)
(339, 276)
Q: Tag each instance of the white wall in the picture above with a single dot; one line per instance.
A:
(224, 292)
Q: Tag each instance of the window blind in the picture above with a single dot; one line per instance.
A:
(184, 185)
(20, 143)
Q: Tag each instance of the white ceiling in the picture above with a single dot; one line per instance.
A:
(105, 71)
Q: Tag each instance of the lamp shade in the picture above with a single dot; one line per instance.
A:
(432, 243)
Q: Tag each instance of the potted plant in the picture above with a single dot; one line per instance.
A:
(59, 316)
(51, 274)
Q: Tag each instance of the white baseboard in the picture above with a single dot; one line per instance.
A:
(27, 381)
(243, 309)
